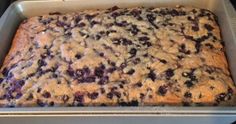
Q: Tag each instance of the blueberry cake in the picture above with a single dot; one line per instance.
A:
(140, 56)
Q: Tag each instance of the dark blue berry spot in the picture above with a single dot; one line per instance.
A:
(169, 73)
(131, 71)
(93, 95)
(188, 95)
(162, 90)
(46, 94)
(152, 75)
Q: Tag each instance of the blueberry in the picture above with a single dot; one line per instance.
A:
(174, 12)
(148, 44)
(111, 69)
(54, 75)
(195, 28)
(190, 18)
(117, 94)
(139, 84)
(85, 71)
(121, 86)
(183, 49)
(1, 80)
(134, 30)
(30, 97)
(212, 87)
(230, 91)
(61, 24)
(209, 45)
(152, 75)
(71, 72)
(2, 97)
(99, 71)
(103, 80)
(101, 54)
(10, 75)
(51, 103)
(79, 97)
(162, 90)
(30, 49)
(116, 41)
(46, 94)
(68, 34)
(163, 61)
(110, 31)
(121, 24)
(39, 90)
(133, 52)
(136, 12)
(18, 95)
(9, 95)
(114, 88)
(110, 95)
(188, 95)
(191, 75)
(93, 95)
(180, 57)
(133, 103)
(88, 79)
(21, 82)
(78, 56)
(189, 83)
(97, 37)
(126, 41)
(151, 17)
(144, 38)
(115, 14)
(169, 73)
(41, 62)
(136, 61)
(123, 65)
(208, 27)
(194, 11)
(141, 95)
(46, 21)
(151, 20)
(94, 23)
(112, 63)
(123, 104)
(221, 97)
(89, 17)
(131, 71)
(102, 90)
(77, 19)
(5, 72)
(40, 103)
(197, 46)
(200, 96)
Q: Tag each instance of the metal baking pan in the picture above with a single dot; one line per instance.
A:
(24, 9)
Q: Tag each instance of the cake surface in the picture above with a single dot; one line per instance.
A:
(118, 57)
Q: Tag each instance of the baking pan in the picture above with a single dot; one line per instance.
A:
(23, 9)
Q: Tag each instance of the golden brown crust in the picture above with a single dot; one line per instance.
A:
(128, 57)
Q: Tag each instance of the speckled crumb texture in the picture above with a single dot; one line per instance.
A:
(118, 57)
